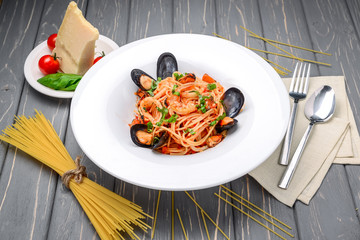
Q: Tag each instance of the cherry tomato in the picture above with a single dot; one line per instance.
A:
(51, 41)
(100, 57)
(49, 64)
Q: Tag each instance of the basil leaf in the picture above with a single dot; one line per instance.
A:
(61, 81)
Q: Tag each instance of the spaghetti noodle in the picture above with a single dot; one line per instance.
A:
(182, 114)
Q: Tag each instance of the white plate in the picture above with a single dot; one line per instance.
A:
(104, 103)
(32, 71)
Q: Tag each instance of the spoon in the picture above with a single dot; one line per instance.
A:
(318, 109)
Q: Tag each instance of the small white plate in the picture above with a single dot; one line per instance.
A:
(100, 113)
(33, 73)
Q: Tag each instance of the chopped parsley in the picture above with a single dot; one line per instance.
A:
(202, 105)
(211, 86)
(189, 130)
(171, 119)
(164, 111)
(221, 117)
(154, 85)
(178, 76)
(175, 92)
(149, 127)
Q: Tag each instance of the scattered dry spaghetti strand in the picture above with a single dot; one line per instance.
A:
(243, 204)
(276, 64)
(181, 223)
(264, 39)
(205, 225)
(287, 56)
(281, 55)
(276, 69)
(213, 222)
(257, 221)
(156, 213)
(258, 208)
(290, 45)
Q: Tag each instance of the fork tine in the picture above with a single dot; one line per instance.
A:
(301, 88)
(292, 84)
(296, 89)
(306, 88)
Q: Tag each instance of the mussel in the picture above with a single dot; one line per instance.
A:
(166, 65)
(225, 124)
(142, 79)
(233, 101)
(142, 138)
(190, 77)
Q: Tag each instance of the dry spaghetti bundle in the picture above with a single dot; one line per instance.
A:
(110, 214)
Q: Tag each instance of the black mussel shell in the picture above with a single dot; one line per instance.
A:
(133, 130)
(220, 128)
(135, 76)
(233, 101)
(162, 140)
(166, 65)
(143, 127)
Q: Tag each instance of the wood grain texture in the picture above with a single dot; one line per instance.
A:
(194, 17)
(149, 18)
(300, 20)
(18, 27)
(232, 15)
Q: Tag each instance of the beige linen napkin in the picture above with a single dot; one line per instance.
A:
(336, 141)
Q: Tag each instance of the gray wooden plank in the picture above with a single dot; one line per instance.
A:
(149, 18)
(23, 178)
(354, 9)
(333, 29)
(68, 220)
(194, 17)
(232, 15)
(315, 27)
(20, 24)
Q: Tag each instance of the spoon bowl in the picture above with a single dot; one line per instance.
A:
(319, 108)
(321, 105)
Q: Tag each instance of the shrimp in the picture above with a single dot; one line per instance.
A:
(148, 109)
(180, 105)
(188, 92)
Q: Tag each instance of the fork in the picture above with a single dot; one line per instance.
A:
(298, 90)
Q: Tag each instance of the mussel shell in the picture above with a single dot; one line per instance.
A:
(135, 76)
(233, 101)
(143, 127)
(220, 128)
(133, 130)
(166, 65)
(162, 140)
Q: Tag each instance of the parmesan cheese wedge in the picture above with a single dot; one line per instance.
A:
(75, 42)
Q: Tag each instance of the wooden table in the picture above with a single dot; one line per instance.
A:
(35, 205)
